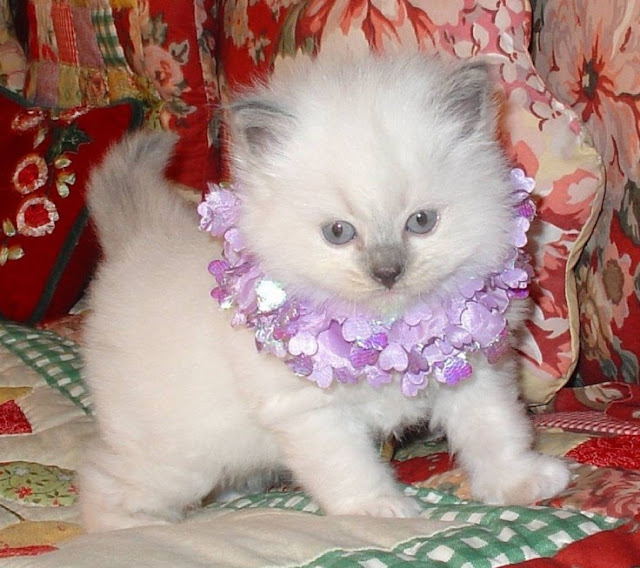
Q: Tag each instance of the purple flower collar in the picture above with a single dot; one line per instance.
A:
(432, 339)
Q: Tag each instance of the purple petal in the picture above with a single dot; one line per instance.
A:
(411, 388)
(519, 294)
(322, 376)
(484, 324)
(417, 363)
(332, 342)
(377, 341)
(360, 357)
(218, 269)
(235, 239)
(497, 349)
(356, 329)
(496, 299)
(303, 343)
(406, 335)
(345, 375)
(220, 294)
(446, 347)
(457, 336)
(218, 211)
(433, 326)
(456, 369)
(301, 365)
(417, 314)
(418, 379)
(520, 231)
(394, 358)
(526, 209)
(376, 378)
(470, 286)
(433, 353)
(515, 278)
(520, 180)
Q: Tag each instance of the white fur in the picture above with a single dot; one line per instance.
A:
(184, 402)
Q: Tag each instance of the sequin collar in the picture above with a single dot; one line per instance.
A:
(433, 339)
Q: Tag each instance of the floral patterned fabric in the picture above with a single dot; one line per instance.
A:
(47, 252)
(154, 50)
(589, 54)
(541, 135)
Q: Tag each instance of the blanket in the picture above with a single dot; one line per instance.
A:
(46, 421)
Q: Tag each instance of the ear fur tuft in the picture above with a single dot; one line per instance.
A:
(259, 125)
(469, 97)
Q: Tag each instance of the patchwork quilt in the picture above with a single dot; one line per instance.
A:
(46, 420)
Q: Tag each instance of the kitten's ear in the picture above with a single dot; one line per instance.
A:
(259, 126)
(468, 98)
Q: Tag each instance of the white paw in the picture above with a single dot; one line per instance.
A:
(534, 478)
(397, 506)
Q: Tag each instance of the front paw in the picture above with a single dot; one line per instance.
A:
(531, 479)
(397, 506)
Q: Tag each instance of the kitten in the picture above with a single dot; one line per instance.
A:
(184, 402)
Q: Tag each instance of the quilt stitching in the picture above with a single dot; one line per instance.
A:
(55, 359)
(496, 535)
(107, 36)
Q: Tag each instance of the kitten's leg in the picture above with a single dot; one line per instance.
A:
(332, 455)
(118, 492)
(488, 430)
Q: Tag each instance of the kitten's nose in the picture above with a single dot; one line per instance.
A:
(387, 274)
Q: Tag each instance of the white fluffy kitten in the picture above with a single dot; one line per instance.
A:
(184, 402)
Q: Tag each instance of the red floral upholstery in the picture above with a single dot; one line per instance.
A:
(589, 53)
(47, 252)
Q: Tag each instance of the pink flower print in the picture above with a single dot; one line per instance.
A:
(37, 217)
(617, 282)
(164, 71)
(24, 491)
(27, 120)
(589, 58)
(30, 174)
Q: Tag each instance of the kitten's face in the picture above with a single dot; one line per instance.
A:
(366, 193)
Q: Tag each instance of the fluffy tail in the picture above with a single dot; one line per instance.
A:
(129, 193)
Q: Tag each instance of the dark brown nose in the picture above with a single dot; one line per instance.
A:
(387, 275)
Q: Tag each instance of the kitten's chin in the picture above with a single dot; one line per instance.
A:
(384, 304)
(389, 304)
(380, 304)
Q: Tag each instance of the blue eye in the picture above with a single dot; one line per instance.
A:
(338, 232)
(421, 222)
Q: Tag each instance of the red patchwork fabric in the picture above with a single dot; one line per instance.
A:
(421, 468)
(13, 420)
(157, 51)
(619, 451)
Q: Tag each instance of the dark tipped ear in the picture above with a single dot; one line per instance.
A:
(469, 97)
(259, 126)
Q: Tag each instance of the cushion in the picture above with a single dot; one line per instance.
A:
(156, 51)
(589, 54)
(541, 135)
(47, 251)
